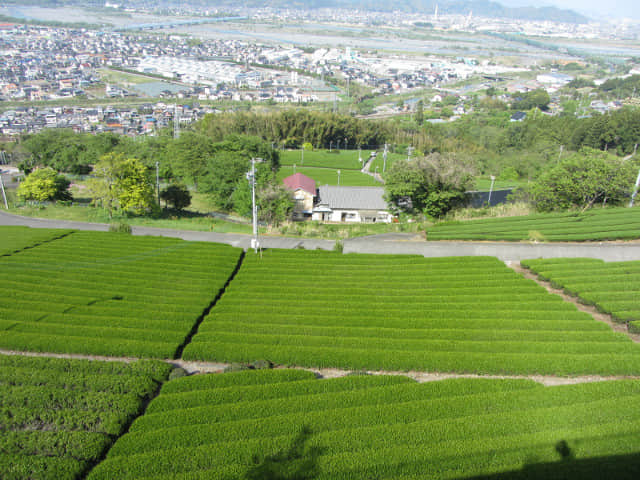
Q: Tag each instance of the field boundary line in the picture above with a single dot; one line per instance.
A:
(590, 309)
(205, 312)
(195, 367)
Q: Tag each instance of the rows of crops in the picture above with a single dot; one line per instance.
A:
(596, 224)
(286, 424)
(14, 239)
(614, 287)
(385, 312)
(109, 294)
(59, 417)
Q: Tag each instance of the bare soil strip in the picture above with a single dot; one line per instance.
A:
(591, 310)
(217, 367)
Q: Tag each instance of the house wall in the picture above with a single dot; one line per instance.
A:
(353, 216)
(303, 202)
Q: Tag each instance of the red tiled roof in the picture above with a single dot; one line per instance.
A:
(299, 181)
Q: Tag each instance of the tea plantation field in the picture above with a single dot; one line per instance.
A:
(592, 225)
(614, 287)
(59, 417)
(384, 312)
(109, 294)
(15, 239)
(286, 424)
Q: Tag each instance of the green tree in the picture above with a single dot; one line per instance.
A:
(177, 195)
(122, 183)
(274, 203)
(581, 180)
(432, 185)
(534, 99)
(44, 184)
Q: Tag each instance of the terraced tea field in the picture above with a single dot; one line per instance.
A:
(59, 417)
(109, 294)
(613, 287)
(384, 312)
(286, 424)
(113, 294)
(15, 239)
(592, 225)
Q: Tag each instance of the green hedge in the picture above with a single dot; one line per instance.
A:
(59, 417)
(447, 429)
(110, 294)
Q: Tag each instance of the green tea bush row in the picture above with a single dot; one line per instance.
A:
(235, 394)
(337, 314)
(604, 224)
(615, 292)
(110, 294)
(14, 239)
(496, 362)
(447, 429)
(60, 416)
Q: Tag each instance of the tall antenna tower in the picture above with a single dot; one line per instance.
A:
(176, 121)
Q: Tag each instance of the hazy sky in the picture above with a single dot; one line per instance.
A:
(593, 8)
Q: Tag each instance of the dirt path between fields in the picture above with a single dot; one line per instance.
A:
(591, 310)
(421, 377)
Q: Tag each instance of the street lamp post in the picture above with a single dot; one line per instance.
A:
(251, 176)
(493, 178)
(338, 177)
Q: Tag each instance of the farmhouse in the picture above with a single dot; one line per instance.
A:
(304, 193)
(351, 204)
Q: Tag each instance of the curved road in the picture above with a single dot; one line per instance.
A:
(388, 243)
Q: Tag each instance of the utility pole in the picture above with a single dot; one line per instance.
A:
(158, 182)
(635, 190)
(251, 176)
(493, 179)
(176, 121)
(4, 194)
(384, 158)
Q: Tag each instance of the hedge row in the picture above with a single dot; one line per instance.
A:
(597, 224)
(59, 417)
(434, 314)
(447, 429)
(615, 291)
(15, 239)
(109, 294)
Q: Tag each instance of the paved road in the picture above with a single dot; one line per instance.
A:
(387, 243)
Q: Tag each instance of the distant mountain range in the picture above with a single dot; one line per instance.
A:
(484, 8)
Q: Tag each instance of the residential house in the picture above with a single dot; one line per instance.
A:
(351, 205)
(304, 193)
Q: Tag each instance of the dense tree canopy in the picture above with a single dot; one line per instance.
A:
(581, 180)
(122, 183)
(44, 184)
(432, 185)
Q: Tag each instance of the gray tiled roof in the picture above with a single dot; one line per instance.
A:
(355, 198)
